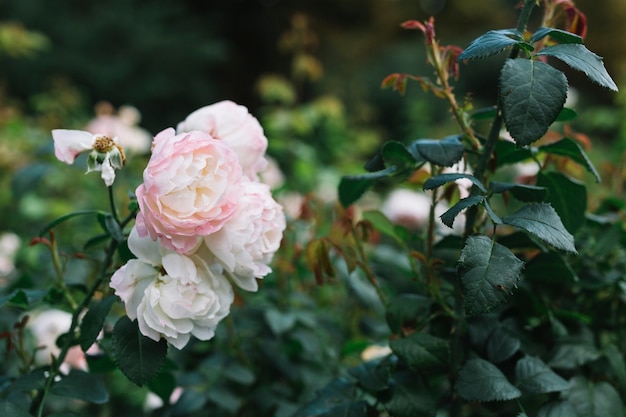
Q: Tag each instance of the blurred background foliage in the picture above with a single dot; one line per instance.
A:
(311, 72)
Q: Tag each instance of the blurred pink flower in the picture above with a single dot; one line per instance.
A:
(246, 243)
(132, 138)
(191, 187)
(233, 124)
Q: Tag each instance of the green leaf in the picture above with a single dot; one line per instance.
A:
(489, 272)
(567, 196)
(523, 192)
(492, 214)
(540, 220)
(508, 153)
(566, 115)
(338, 391)
(163, 385)
(482, 381)
(439, 180)
(8, 409)
(571, 149)
(407, 310)
(278, 321)
(409, 396)
(444, 152)
(111, 226)
(572, 354)
(66, 217)
(535, 377)
(582, 59)
(395, 153)
(448, 217)
(533, 94)
(618, 365)
(550, 268)
(594, 399)
(491, 43)
(23, 298)
(421, 351)
(557, 409)
(139, 357)
(382, 224)
(373, 375)
(93, 321)
(484, 113)
(355, 409)
(502, 345)
(352, 187)
(559, 35)
(82, 386)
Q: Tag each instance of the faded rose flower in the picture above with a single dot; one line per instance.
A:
(233, 124)
(171, 296)
(191, 188)
(247, 242)
(105, 153)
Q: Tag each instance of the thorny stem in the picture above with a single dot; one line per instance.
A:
(456, 344)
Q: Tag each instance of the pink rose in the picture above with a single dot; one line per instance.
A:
(191, 188)
(247, 242)
(233, 124)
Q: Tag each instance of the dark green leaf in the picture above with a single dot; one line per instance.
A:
(279, 321)
(23, 298)
(82, 386)
(480, 328)
(508, 153)
(62, 219)
(571, 149)
(566, 115)
(25, 179)
(139, 357)
(492, 214)
(111, 226)
(618, 364)
(482, 381)
(540, 220)
(421, 351)
(8, 409)
(395, 153)
(550, 268)
(491, 43)
(557, 409)
(31, 381)
(582, 59)
(65, 414)
(338, 391)
(501, 345)
(373, 375)
(535, 377)
(163, 385)
(533, 94)
(93, 321)
(407, 310)
(448, 217)
(567, 196)
(224, 399)
(572, 354)
(523, 192)
(238, 373)
(444, 152)
(351, 188)
(355, 409)
(594, 399)
(439, 180)
(484, 113)
(410, 397)
(558, 35)
(489, 272)
(521, 240)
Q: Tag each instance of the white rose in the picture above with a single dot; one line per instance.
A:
(171, 295)
(247, 242)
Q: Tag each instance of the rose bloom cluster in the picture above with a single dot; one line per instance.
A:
(205, 222)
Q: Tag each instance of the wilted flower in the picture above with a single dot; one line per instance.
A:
(171, 295)
(105, 153)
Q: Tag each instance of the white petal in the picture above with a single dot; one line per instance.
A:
(144, 248)
(69, 143)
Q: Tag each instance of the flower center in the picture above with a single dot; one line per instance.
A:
(103, 144)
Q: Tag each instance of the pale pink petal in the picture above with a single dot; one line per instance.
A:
(69, 143)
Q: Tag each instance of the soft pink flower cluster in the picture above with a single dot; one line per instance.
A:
(205, 221)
